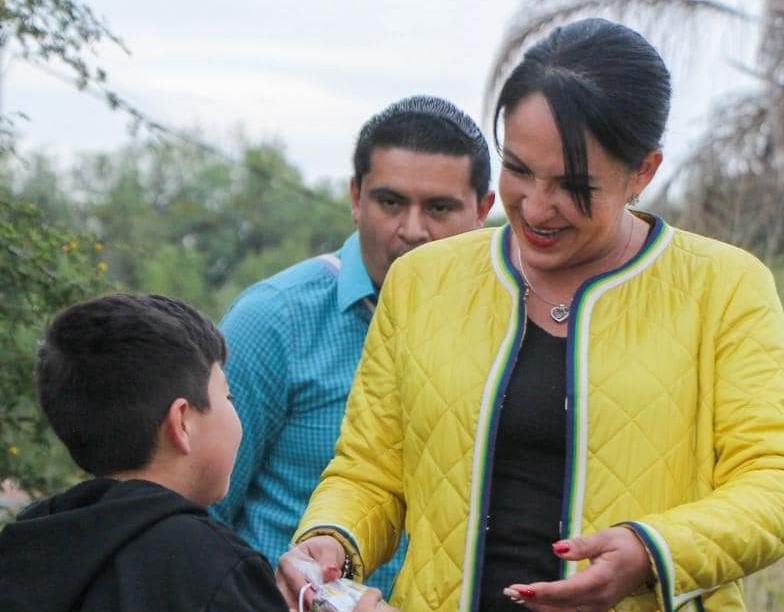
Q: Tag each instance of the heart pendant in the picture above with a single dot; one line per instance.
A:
(559, 313)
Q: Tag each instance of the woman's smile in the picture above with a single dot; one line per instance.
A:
(542, 238)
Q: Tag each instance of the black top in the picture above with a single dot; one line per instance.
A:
(528, 472)
(130, 546)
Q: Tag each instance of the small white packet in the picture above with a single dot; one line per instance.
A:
(340, 595)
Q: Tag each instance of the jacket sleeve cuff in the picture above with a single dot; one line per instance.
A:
(664, 570)
(347, 541)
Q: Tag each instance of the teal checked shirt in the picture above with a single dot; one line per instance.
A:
(294, 343)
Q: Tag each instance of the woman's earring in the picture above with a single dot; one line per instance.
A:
(634, 200)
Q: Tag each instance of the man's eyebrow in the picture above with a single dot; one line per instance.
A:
(387, 193)
(445, 200)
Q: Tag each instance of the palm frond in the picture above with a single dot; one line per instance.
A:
(535, 19)
(729, 187)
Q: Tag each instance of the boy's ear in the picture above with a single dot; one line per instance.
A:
(177, 426)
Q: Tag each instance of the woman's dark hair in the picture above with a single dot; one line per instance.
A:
(109, 369)
(601, 78)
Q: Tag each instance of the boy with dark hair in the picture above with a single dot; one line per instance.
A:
(134, 387)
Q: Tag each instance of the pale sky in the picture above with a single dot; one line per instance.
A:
(309, 73)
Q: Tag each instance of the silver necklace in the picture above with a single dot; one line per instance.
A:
(559, 311)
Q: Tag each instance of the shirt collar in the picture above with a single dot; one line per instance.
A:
(354, 283)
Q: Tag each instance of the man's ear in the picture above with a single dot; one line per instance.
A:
(355, 190)
(177, 425)
(485, 205)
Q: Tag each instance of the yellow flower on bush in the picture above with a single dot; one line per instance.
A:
(102, 266)
(13, 451)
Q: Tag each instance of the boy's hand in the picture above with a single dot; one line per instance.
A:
(325, 550)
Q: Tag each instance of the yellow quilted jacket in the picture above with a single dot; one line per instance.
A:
(675, 412)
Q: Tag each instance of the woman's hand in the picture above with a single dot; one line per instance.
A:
(326, 551)
(619, 566)
(329, 554)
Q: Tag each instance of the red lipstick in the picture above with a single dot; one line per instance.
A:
(538, 240)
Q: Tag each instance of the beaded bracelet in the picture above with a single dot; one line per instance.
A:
(348, 567)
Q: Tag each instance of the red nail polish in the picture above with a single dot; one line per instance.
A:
(527, 593)
(561, 548)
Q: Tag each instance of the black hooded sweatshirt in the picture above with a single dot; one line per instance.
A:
(130, 546)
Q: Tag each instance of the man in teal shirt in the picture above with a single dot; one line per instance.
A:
(421, 172)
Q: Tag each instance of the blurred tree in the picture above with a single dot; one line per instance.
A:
(176, 270)
(177, 217)
(43, 267)
(735, 177)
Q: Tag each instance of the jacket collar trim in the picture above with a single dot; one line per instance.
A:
(577, 364)
(487, 422)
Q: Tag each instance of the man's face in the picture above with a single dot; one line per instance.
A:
(408, 198)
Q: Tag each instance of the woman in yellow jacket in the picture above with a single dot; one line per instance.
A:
(582, 410)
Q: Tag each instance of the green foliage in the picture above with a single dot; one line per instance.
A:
(43, 267)
(176, 271)
(178, 219)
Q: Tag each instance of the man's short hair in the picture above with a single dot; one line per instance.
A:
(109, 369)
(425, 124)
